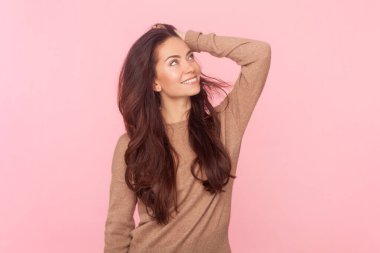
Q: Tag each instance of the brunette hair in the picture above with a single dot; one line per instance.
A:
(151, 165)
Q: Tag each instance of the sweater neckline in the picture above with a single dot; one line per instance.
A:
(177, 124)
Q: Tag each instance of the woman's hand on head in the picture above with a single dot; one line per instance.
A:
(161, 26)
(180, 34)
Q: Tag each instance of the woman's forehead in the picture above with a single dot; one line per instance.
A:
(172, 46)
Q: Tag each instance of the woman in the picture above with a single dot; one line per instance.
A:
(178, 157)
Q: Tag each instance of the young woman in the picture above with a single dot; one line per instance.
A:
(177, 159)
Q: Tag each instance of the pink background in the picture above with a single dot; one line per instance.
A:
(308, 172)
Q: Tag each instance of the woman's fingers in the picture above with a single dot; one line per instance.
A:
(178, 32)
(158, 26)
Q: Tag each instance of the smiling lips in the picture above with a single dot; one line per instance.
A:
(190, 81)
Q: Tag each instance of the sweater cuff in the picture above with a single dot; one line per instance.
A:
(191, 39)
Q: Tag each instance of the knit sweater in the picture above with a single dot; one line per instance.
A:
(203, 219)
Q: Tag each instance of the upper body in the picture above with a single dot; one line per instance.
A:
(201, 225)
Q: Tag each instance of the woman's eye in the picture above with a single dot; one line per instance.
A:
(172, 62)
(191, 56)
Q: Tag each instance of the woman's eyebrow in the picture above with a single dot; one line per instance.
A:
(177, 56)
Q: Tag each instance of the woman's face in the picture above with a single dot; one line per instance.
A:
(176, 64)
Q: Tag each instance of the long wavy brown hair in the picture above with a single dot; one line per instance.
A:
(150, 158)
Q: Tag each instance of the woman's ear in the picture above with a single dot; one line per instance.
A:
(156, 87)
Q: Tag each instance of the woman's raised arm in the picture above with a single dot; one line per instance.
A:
(254, 57)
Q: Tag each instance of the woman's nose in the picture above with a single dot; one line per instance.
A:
(189, 67)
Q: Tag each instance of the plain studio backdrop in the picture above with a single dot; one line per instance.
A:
(307, 178)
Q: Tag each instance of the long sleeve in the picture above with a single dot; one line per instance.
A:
(253, 56)
(122, 203)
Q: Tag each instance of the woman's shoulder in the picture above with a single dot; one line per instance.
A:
(122, 142)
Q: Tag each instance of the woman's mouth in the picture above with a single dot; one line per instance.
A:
(190, 81)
